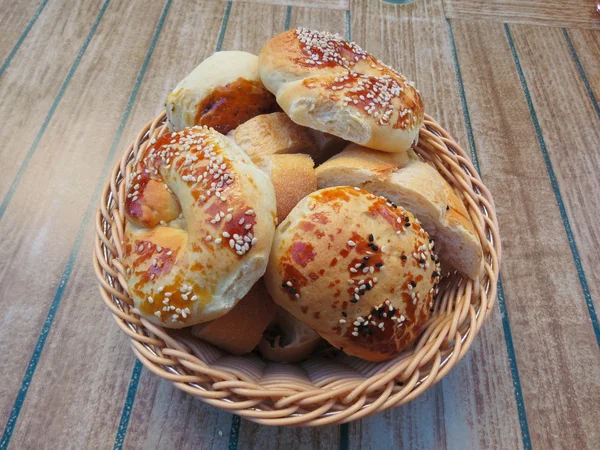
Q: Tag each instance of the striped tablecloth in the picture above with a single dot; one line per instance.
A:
(515, 81)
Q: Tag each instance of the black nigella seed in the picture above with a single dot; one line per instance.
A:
(407, 219)
(413, 284)
(293, 291)
(366, 258)
(433, 257)
(435, 274)
(368, 287)
(374, 247)
(407, 224)
(403, 257)
(379, 264)
(394, 205)
(363, 265)
(284, 285)
(344, 314)
(353, 300)
(371, 238)
(421, 261)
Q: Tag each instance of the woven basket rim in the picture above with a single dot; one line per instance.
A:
(338, 390)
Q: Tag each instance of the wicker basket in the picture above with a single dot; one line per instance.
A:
(325, 389)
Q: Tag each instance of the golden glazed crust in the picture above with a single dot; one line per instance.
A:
(324, 82)
(357, 269)
(195, 269)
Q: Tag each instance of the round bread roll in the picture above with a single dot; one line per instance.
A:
(222, 92)
(288, 340)
(418, 187)
(357, 269)
(241, 329)
(222, 208)
(324, 82)
(293, 177)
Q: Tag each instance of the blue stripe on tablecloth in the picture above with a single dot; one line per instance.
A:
(39, 346)
(512, 359)
(57, 99)
(28, 28)
(582, 72)
(288, 18)
(128, 406)
(559, 200)
(76, 247)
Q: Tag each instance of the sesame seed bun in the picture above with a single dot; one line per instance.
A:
(419, 188)
(334, 242)
(222, 92)
(195, 268)
(289, 189)
(323, 82)
(241, 329)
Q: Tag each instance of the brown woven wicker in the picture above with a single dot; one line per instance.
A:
(326, 389)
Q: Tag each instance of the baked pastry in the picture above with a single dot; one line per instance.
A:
(287, 339)
(273, 134)
(419, 188)
(293, 177)
(222, 92)
(357, 269)
(189, 270)
(323, 82)
(241, 329)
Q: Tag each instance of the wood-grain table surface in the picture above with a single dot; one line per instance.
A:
(517, 82)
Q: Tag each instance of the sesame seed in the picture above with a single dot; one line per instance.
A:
(342, 320)
(351, 243)
(150, 300)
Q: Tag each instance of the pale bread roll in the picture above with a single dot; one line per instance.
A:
(223, 92)
(196, 271)
(241, 329)
(324, 82)
(419, 188)
(273, 134)
(287, 339)
(293, 177)
(359, 271)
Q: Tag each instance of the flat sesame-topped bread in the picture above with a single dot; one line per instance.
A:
(223, 92)
(419, 188)
(241, 329)
(293, 177)
(200, 223)
(357, 269)
(324, 82)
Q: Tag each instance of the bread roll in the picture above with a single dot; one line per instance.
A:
(324, 82)
(273, 134)
(222, 92)
(293, 177)
(241, 329)
(179, 277)
(355, 268)
(419, 188)
(288, 340)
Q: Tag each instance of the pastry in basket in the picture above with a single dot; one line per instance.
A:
(241, 329)
(356, 268)
(287, 339)
(222, 92)
(293, 177)
(419, 188)
(276, 133)
(326, 83)
(200, 223)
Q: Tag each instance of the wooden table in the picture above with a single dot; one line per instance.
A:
(516, 82)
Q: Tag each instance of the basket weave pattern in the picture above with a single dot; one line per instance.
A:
(325, 389)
